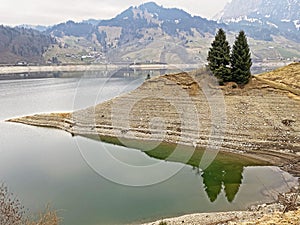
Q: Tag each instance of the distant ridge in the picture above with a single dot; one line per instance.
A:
(263, 18)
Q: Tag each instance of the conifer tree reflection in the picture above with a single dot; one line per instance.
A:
(219, 175)
(225, 172)
(212, 179)
(232, 181)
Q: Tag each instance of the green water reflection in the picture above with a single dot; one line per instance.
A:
(219, 175)
(224, 173)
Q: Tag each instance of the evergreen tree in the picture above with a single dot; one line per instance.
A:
(219, 57)
(241, 60)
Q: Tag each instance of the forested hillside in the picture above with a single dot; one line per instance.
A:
(20, 44)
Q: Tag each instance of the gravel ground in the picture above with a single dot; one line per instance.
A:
(265, 214)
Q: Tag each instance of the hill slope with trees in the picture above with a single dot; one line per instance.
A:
(20, 44)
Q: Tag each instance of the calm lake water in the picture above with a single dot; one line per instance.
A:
(44, 166)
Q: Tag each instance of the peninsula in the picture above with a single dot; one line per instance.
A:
(260, 120)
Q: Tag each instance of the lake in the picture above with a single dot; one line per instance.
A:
(46, 166)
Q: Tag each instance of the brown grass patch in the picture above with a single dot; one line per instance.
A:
(285, 78)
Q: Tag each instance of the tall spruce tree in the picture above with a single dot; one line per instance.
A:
(219, 57)
(241, 60)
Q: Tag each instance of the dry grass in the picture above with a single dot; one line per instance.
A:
(13, 213)
(48, 217)
(285, 78)
(11, 210)
(62, 115)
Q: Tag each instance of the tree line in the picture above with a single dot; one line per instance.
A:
(230, 66)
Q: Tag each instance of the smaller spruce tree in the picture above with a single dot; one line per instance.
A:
(219, 57)
(241, 60)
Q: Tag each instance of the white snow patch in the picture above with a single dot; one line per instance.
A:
(125, 18)
(243, 18)
(267, 16)
(234, 20)
(177, 21)
(272, 24)
(252, 20)
(286, 20)
(297, 24)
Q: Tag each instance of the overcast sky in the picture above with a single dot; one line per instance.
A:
(48, 12)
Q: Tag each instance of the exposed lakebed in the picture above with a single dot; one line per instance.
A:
(47, 166)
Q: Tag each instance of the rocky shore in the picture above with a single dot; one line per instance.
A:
(285, 211)
(265, 215)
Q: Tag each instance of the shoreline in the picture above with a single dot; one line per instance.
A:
(62, 68)
(5, 70)
(15, 69)
(259, 215)
(284, 160)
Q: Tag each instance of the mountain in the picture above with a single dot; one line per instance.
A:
(34, 27)
(275, 9)
(70, 28)
(151, 33)
(132, 22)
(143, 33)
(263, 18)
(20, 44)
(171, 21)
(92, 21)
